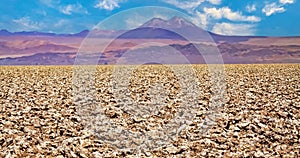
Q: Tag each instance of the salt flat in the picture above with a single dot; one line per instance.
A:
(260, 115)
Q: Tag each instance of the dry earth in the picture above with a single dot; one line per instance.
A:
(260, 117)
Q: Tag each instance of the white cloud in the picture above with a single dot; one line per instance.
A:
(234, 29)
(73, 8)
(67, 10)
(213, 12)
(50, 3)
(226, 12)
(108, 4)
(207, 18)
(191, 5)
(216, 2)
(251, 8)
(25, 23)
(286, 1)
(200, 19)
(60, 23)
(186, 5)
(272, 8)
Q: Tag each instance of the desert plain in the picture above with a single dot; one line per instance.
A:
(260, 116)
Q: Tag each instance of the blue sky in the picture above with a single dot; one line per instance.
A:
(227, 17)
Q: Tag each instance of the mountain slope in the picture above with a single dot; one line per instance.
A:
(53, 49)
(181, 27)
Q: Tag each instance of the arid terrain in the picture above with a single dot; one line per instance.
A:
(38, 48)
(260, 116)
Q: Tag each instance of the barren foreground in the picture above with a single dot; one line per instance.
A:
(260, 116)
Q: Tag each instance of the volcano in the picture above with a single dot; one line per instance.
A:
(38, 48)
(174, 28)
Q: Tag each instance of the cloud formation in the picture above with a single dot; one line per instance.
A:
(108, 4)
(286, 1)
(251, 8)
(207, 16)
(192, 5)
(273, 8)
(234, 29)
(50, 3)
(73, 8)
(27, 24)
(186, 5)
(216, 2)
(60, 23)
(227, 13)
(200, 19)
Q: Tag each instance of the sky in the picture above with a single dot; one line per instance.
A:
(226, 17)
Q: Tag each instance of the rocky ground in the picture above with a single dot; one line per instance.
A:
(259, 117)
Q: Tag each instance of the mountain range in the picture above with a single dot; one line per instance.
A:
(38, 48)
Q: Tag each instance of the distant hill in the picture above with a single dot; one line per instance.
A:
(38, 48)
(231, 53)
(156, 27)
(36, 33)
(41, 59)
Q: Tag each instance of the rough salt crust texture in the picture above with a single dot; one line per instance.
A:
(260, 116)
